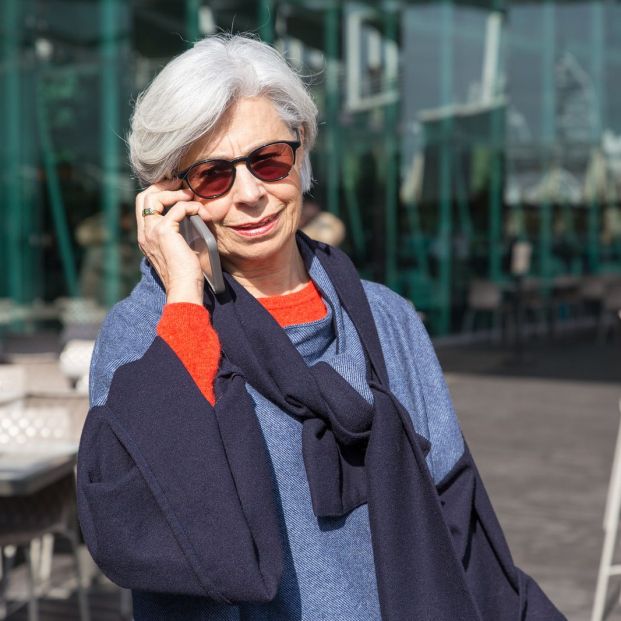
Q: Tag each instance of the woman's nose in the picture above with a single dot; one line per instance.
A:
(247, 188)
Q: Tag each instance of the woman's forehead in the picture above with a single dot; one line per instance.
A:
(247, 124)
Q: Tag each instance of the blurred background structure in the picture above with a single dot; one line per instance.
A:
(471, 151)
(449, 130)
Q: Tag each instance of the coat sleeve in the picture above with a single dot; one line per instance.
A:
(501, 591)
(168, 500)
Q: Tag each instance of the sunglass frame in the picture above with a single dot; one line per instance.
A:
(293, 144)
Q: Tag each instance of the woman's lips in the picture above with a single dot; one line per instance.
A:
(255, 229)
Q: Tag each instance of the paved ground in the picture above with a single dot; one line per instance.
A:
(542, 429)
(544, 449)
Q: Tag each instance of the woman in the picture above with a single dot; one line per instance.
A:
(287, 449)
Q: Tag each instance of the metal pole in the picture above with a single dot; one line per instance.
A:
(410, 204)
(110, 130)
(495, 26)
(12, 195)
(390, 18)
(192, 32)
(461, 196)
(412, 212)
(445, 169)
(598, 25)
(495, 197)
(332, 159)
(350, 179)
(548, 132)
(32, 205)
(266, 20)
(53, 187)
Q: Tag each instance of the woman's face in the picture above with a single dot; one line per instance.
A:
(273, 206)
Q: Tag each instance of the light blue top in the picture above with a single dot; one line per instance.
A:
(328, 571)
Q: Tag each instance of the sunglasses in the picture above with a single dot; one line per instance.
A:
(270, 162)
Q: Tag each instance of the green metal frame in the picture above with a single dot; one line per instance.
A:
(598, 25)
(390, 20)
(497, 125)
(332, 172)
(406, 243)
(445, 174)
(110, 156)
(548, 130)
(59, 215)
(11, 204)
(192, 30)
(32, 206)
(355, 226)
(266, 20)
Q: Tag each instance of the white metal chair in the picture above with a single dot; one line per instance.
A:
(484, 296)
(603, 604)
(80, 318)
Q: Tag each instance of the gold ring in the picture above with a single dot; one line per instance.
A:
(147, 211)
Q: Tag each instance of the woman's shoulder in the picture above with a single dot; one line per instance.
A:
(383, 295)
(391, 309)
(399, 326)
(125, 335)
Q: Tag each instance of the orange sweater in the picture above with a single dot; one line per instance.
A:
(187, 329)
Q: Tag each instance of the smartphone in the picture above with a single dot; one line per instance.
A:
(203, 243)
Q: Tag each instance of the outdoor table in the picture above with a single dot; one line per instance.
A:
(25, 472)
(31, 470)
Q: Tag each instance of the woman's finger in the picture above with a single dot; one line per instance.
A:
(160, 186)
(156, 202)
(181, 210)
(167, 250)
(158, 226)
(161, 200)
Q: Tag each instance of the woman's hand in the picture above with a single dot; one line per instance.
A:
(161, 242)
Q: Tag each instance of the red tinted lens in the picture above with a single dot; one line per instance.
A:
(272, 162)
(211, 178)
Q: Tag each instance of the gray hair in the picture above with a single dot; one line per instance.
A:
(189, 97)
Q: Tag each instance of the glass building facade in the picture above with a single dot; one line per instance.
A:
(449, 129)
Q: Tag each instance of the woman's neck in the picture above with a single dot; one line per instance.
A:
(270, 277)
